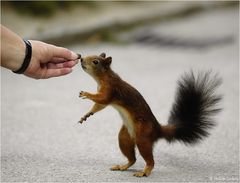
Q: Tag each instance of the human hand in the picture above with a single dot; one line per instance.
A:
(50, 61)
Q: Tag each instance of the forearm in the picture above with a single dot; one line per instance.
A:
(100, 98)
(12, 49)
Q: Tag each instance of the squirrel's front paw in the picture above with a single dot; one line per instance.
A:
(83, 95)
(84, 118)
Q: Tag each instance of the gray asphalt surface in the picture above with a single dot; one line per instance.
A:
(41, 140)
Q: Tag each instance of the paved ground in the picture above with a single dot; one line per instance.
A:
(41, 140)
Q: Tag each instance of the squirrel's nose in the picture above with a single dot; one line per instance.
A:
(79, 56)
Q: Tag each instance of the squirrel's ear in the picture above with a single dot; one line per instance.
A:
(103, 55)
(108, 60)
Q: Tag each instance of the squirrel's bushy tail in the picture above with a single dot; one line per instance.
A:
(195, 105)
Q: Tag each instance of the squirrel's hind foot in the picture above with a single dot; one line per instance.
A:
(122, 167)
(145, 173)
(140, 174)
(119, 168)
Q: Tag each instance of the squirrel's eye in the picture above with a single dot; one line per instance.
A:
(95, 62)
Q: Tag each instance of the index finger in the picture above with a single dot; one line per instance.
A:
(63, 53)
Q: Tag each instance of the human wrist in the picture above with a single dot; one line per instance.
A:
(27, 58)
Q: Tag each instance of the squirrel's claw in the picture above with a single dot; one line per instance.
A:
(82, 95)
(84, 118)
(81, 120)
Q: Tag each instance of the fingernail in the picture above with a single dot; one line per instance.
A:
(74, 55)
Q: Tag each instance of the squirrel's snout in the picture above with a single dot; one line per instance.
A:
(79, 56)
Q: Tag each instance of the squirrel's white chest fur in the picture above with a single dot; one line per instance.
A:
(127, 119)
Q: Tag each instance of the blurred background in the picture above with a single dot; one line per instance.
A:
(152, 44)
(69, 22)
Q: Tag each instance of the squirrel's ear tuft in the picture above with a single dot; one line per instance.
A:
(103, 55)
(108, 60)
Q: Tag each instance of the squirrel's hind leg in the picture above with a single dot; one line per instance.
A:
(145, 147)
(127, 146)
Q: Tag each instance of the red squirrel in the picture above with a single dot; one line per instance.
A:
(189, 121)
